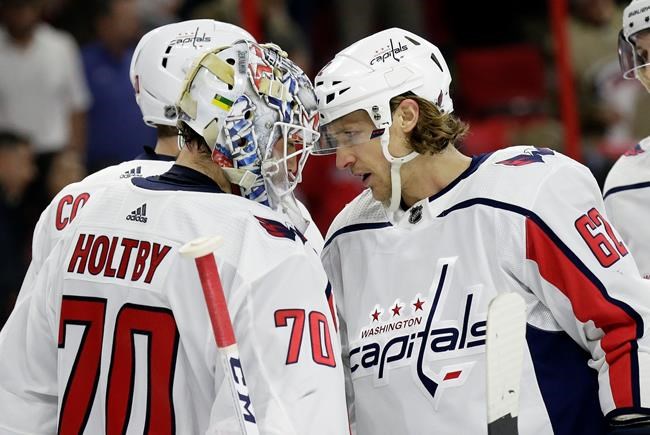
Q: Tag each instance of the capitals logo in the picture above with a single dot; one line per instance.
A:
(423, 338)
(634, 151)
(533, 155)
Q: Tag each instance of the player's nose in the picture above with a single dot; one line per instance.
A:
(292, 165)
(344, 157)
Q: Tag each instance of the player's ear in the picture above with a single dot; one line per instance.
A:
(407, 115)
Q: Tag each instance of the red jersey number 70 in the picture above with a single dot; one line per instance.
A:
(321, 342)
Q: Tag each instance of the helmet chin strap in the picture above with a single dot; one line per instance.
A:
(241, 177)
(644, 81)
(395, 167)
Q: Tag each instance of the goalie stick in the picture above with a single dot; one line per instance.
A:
(201, 250)
(506, 334)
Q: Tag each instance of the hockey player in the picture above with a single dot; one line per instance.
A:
(415, 259)
(126, 312)
(159, 64)
(158, 67)
(627, 187)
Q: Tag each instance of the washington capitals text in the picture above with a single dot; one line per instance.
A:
(438, 340)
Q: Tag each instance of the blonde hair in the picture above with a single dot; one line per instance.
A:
(434, 130)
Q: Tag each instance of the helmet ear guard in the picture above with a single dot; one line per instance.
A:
(369, 73)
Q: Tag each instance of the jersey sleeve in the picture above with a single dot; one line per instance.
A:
(331, 260)
(292, 351)
(40, 247)
(288, 347)
(629, 211)
(53, 222)
(28, 362)
(578, 267)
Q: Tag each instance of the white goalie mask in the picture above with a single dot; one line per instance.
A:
(634, 42)
(163, 57)
(257, 112)
(367, 74)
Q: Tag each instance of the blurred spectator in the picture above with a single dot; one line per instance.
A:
(115, 128)
(607, 103)
(17, 170)
(67, 168)
(43, 92)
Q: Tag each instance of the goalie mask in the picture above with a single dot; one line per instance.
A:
(366, 75)
(634, 42)
(257, 112)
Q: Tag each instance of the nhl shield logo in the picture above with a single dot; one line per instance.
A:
(416, 214)
(170, 112)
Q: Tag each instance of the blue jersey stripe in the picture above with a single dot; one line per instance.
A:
(357, 227)
(626, 187)
(569, 387)
(580, 266)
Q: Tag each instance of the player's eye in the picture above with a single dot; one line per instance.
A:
(350, 136)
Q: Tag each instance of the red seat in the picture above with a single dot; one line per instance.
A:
(505, 80)
(487, 135)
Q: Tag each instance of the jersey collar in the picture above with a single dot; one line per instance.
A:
(428, 208)
(179, 178)
(150, 154)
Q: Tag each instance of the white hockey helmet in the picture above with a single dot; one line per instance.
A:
(163, 57)
(633, 59)
(367, 74)
(243, 98)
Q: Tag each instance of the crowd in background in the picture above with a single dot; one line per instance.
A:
(67, 106)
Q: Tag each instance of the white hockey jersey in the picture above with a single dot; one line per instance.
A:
(62, 210)
(136, 353)
(627, 200)
(412, 297)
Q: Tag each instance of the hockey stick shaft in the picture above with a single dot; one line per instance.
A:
(506, 336)
(215, 300)
(202, 252)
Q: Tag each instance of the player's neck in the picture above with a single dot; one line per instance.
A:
(201, 163)
(427, 175)
(167, 146)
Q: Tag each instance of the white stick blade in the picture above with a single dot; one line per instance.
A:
(506, 336)
(200, 246)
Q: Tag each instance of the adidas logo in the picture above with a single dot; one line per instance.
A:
(139, 214)
(133, 172)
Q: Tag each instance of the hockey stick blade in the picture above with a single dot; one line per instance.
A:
(201, 250)
(506, 335)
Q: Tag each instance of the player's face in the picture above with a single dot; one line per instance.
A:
(360, 154)
(293, 144)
